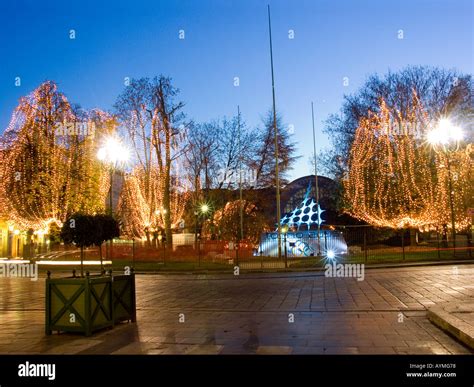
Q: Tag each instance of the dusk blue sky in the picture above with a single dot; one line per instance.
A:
(226, 39)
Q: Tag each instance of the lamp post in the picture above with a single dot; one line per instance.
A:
(444, 134)
(203, 210)
(196, 214)
(114, 154)
(284, 230)
(241, 209)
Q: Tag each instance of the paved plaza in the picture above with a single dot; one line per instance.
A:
(281, 313)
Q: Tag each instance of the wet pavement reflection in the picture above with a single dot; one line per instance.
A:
(256, 314)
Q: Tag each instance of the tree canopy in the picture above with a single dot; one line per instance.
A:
(441, 92)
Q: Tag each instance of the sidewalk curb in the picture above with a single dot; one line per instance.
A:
(451, 324)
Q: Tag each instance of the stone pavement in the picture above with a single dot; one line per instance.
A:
(257, 313)
(456, 319)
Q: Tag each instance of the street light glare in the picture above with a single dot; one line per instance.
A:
(113, 151)
(445, 132)
(436, 137)
(102, 154)
(204, 208)
(457, 133)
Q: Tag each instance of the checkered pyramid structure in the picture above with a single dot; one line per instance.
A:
(308, 212)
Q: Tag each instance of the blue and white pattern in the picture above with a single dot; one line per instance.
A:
(308, 212)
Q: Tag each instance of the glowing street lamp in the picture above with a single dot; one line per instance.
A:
(115, 154)
(113, 151)
(204, 209)
(444, 134)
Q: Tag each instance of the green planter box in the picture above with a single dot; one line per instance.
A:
(123, 296)
(90, 303)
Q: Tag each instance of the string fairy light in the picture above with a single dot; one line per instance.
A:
(48, 169)
(141, 203)
(395, 180)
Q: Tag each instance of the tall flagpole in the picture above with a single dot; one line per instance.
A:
(277, 177)
(316, 178)
(241, 210)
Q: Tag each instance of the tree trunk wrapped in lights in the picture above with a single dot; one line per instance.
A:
(392, 179)
(49, 168)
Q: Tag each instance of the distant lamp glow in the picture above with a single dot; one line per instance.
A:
(204, 208)
(331, 254)
(16, 232)
(444, 133)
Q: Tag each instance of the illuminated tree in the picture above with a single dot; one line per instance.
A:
(140, 216)
(442, 92)
(391, 179)
(88, 178)
(226, 222)
(148, 109)
(395, 179)
(457, 163)
(48, 165)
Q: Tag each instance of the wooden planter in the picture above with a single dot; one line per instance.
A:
(87, 304)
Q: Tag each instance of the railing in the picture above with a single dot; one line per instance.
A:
(355, 244)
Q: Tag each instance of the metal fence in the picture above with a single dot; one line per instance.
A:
(371, 244)
(363, 244)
